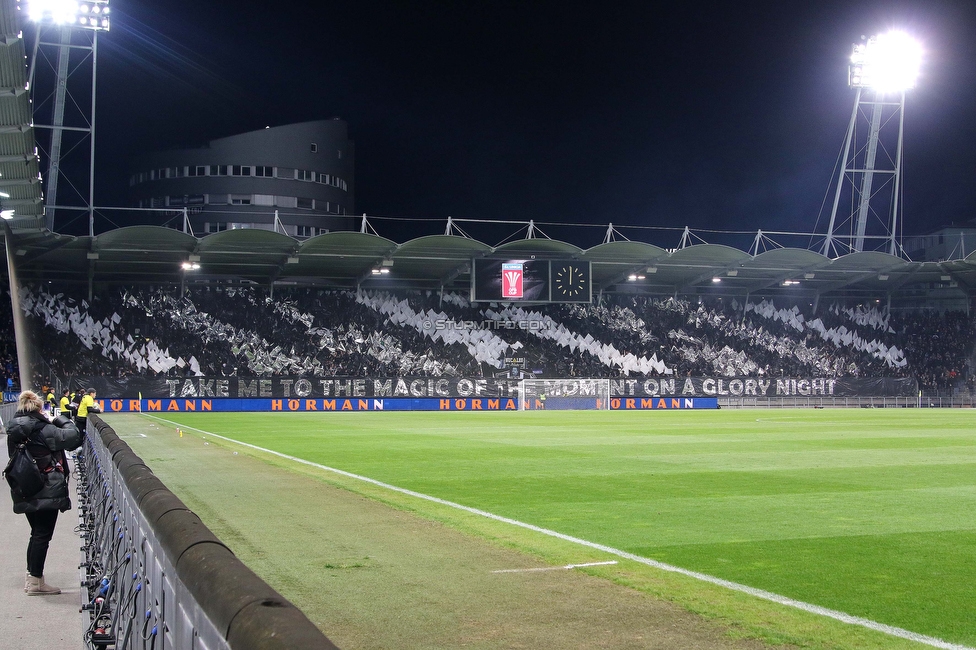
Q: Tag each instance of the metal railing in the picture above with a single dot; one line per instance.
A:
(947, 400)
(157, 578)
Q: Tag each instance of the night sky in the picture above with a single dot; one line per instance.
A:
(720, 115)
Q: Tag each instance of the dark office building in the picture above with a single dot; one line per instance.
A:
(296, 178)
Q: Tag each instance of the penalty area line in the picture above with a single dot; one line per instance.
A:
(555, 568)
(843, 617)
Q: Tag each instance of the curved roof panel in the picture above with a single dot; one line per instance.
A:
(708, 255)
(138, 238)
(348, 244)
(541, 246)
(446, 245)
(866, 261)
(799, 257)
(613, 262)
(624, 252)
(247, 240)
(342, 258)
(435, 259)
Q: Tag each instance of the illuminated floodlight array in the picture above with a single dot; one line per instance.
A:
(886, 63)
(6, 214)
(85, 14)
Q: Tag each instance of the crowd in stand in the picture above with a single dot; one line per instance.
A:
(9, 370)
(231, 330)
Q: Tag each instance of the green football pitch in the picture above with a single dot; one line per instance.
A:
(871, 513)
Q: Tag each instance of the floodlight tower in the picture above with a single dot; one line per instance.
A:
(69, 29)
(881, 70)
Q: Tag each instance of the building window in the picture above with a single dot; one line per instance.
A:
(285, 172)
(194, 199)
(240, 199)
(324, 178)
(315, 148)
(218, 170)
(267, 172)
(196, 170)
(305, 175)
(309, 231)
(217, 226)
(264, 199)
(241, 170)
(306, 204)
(286, 201)
(178, 172)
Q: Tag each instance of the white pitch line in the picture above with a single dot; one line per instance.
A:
(554, 568)
(704, 577)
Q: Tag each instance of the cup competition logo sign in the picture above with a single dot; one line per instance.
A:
(512, 280)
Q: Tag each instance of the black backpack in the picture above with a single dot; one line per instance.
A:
(22, 474)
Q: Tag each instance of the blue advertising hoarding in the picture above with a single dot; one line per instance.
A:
(332, 405)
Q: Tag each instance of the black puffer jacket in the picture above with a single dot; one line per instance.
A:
(46, 442)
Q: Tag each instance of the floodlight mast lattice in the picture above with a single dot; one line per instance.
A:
(881, 70)
(75, 26)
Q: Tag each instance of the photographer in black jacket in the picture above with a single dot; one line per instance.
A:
(46, 440)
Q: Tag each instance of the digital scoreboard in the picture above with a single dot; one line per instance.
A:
(529, 280)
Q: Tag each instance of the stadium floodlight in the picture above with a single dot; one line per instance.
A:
(87, 14)
(66, 19)
(190, 266)
(887, 63)
(882, 69)
(6, 214)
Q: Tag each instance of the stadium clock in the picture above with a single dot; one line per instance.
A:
(571, 281)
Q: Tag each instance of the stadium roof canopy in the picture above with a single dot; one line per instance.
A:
(19, 166)
(346, 260)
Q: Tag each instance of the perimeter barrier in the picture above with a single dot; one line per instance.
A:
(925, 401)
(156, 578)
